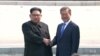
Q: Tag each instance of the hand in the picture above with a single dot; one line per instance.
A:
(51, 44)
(46, 41)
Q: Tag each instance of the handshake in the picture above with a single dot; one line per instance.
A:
(47, 42)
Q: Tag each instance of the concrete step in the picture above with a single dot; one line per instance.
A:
(82, 51)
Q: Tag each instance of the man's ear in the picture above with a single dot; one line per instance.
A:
(41, 15)
(70, 12)
(30, 15)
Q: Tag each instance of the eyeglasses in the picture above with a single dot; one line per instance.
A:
(36, 14)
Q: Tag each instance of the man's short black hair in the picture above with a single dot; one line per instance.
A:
(35, 8)
(65, 8)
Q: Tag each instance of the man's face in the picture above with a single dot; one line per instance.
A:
(65, 15)
(35, 16)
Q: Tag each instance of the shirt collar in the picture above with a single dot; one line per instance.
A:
(39, 24)
(67, 22)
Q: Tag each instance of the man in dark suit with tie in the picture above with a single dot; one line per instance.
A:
(36, 35)
(67, 35)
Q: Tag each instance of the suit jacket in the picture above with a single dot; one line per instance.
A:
(33, 37)
(68, 43)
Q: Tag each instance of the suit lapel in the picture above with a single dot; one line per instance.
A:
(60, 29)
(66, 29)
(35, 28)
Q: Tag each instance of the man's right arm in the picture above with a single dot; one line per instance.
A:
(54, 41)
(30, 35)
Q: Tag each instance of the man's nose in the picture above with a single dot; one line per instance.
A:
(36, 16)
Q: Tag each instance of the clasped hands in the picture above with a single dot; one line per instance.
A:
(47, 41)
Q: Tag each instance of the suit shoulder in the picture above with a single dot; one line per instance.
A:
(60, 24)
(74, 24)
(26, 23)
(44, 24)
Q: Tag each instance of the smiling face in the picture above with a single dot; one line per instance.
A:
(65, 14)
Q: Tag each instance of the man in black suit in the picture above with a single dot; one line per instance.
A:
(67, 36)
(36, 35)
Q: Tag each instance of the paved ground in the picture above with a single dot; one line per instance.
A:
(22, 55)
(19, 51)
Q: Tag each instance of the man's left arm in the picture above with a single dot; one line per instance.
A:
(75, 39)
(47, 33)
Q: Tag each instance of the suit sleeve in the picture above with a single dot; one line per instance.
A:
(75, 39)
(30, 35)
(54, 41)
(47, 33)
